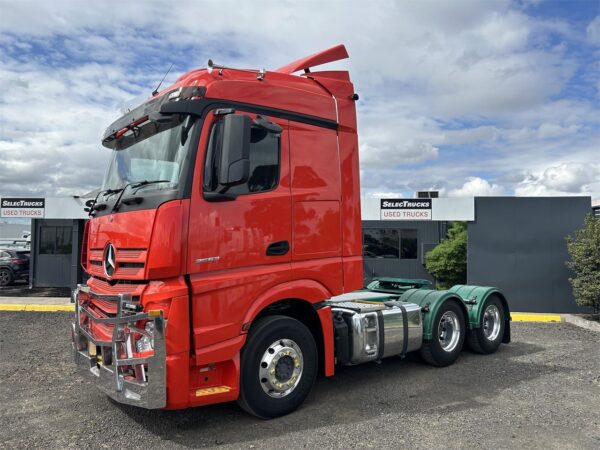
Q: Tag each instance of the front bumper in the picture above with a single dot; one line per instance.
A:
(139, 381)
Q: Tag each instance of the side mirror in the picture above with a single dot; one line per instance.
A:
(234, 164)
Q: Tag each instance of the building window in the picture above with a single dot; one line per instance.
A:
(56, 240)
(408, 244)
(390, 243)
(381, 243)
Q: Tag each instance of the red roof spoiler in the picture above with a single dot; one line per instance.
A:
(326, 56)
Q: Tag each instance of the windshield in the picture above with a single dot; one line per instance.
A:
(157, 151)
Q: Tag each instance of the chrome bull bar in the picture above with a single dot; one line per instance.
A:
(124, 379)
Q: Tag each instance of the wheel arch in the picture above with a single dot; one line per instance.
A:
(298, 300)
(476, 296)
(430, 302)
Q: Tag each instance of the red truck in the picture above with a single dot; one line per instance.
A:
(224, 250)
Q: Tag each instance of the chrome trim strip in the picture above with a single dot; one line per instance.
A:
(113, 320)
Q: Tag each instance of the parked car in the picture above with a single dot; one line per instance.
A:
(14, 265)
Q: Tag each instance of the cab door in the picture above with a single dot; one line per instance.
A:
(238, 248)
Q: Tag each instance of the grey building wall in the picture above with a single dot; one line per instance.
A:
(56, 269)
(428, 236)
(518, 245)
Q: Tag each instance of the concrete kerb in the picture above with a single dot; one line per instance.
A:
(581, 322)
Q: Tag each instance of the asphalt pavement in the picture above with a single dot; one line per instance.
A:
(540, 391)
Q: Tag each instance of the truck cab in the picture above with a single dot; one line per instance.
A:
(230, 195)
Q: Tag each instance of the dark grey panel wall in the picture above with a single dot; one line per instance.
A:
(428, 232)
(518, 245)
(55, 270)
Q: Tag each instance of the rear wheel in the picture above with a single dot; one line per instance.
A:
(487, 337)
(448, 336)
(6, 277)
(278, 367)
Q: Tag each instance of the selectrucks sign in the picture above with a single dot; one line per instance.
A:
(406, 209)
(32, 208)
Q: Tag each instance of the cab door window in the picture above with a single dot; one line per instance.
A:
(264, 162)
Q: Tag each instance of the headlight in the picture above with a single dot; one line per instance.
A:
(146, 343)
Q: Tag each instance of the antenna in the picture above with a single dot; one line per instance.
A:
(155, 91)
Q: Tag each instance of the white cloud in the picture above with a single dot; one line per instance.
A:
(593, 31)
(563, 179)
(486, 134)
(430, 74)
(477, 187)
(382, 152)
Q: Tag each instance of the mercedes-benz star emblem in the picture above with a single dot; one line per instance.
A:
(109, 260)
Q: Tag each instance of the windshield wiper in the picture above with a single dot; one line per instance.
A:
(100, 206)
(133, 185)
(141, 184)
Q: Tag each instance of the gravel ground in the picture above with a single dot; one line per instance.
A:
(21, 289)
(541, 391)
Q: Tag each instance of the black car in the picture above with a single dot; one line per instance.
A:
(14, 265)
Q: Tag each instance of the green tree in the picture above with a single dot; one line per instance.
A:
(447, 262)
(584, 249)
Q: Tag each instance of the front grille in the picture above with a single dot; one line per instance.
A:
(130, 263)
(133, 287)
(130, 253)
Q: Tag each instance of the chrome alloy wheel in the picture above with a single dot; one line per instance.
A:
(491, 322)
(281, 368)
(449, 331)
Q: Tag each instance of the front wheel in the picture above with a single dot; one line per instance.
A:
(278, 367)
(487, 337)
(6, 277)
(448, 336)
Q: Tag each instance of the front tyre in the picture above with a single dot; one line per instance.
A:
(6, 277)
(278, 367)
(448, 336)
(487, 337)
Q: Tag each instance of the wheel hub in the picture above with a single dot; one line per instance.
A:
(449, 331)
(281, 368)
(284, 368)
(491, 322)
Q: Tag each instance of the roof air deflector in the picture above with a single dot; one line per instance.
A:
(332, 54)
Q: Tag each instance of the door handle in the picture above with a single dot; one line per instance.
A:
(278, 248)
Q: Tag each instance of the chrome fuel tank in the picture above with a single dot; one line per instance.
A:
(369, 331)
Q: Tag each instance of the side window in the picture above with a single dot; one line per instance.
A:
(408, 244)
(381, 243)
(55, 240)
(47, 240)
(264, 162)
(390, 243)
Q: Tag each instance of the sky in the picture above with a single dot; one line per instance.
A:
(487, 97)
